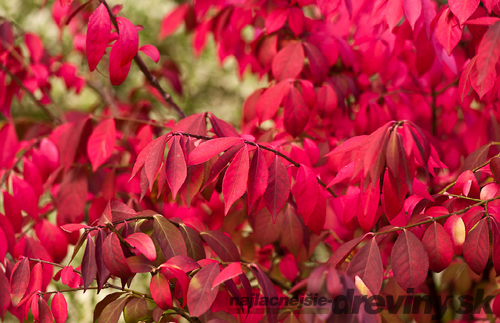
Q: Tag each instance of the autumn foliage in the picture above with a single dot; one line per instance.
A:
(375, 143)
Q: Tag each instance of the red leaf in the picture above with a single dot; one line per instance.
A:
(410, 262)
(59, 308)
(70, 277)
(231, 271)
(172, 21)
(168, 237)
(488, 53)
(113, 310)
(154, 158)
(288, 62)
(448, 31)
(292, 231)
(438, 245)
(413, 9)
(72, 227)
(45, 314)
(114, 258)
(19, 280)
(12, 210)
(8, 145)
(35, 46)
(278, 187)
(222, 128)
(194, 245)
(275, 20)
(117, 72)
(129, 39)
(495, 253)
(89, 265)
(98, 34)
(326, 101)
(465, 81)
(26, 196)
(296, 20)
(223, 246)
(476, 247)
(101, 143)
(495, 168)
(257, 177)
(160, 291)
(102, 270)
(306, 191)
(72, 196)
(296, 112)
(184, 263)
(210, 148)
(268, 290)
(317, 62)
(143, 243)
(455, 228)
(152, 52)
(201, 296)
(176, 169)
(270, 101)
(120, 211)
(367, 264)
(235, 180)
(4, 294)
(463, 9)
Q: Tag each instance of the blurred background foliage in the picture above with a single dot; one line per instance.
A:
(207, 85)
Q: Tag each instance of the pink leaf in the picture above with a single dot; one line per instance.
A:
(143, 243)
(151, 51)
(235, 180)
(455, 228)
(448, 31)
(98, 34)
(394, 12)
(463, 9)
(101, 143)
(412, 9)
(288, 62)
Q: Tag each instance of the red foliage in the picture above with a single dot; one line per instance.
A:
(383, 153)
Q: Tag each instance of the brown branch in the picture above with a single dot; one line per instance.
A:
(29, 93)
(142, 66)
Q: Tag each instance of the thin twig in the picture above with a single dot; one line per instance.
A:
(142, 66)
(29, 93)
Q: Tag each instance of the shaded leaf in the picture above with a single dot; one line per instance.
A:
(201, 296)
(410, 262)
(168, 237)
